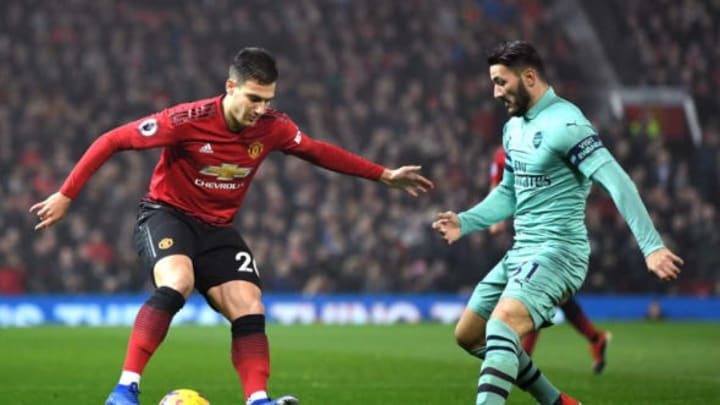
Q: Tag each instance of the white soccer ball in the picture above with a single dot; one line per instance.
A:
(184, 396)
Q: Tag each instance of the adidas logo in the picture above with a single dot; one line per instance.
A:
(206, 149)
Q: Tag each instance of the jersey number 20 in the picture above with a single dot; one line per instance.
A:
(247, 263)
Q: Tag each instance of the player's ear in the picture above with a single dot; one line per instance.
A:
(230, 85)
(529, 77)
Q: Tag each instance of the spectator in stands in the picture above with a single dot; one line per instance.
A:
(374, 70)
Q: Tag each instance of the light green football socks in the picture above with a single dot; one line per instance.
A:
(500, 367)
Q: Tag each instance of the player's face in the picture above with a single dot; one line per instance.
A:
(510, 90)
(248, 101)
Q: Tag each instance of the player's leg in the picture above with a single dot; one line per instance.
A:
(174, 280)
(528, 302)
(598, 338)
(164, 242)
(229, 279)
(470, 329)
(470, 333)
(529, 341)
(239, 302)
(508, 321)
(506, 363)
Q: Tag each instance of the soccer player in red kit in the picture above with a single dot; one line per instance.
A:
(211, 151)
(573, 312)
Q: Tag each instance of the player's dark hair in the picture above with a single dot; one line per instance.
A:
(517, 55)
(254, 64)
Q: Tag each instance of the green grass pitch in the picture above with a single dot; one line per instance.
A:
(648, 363)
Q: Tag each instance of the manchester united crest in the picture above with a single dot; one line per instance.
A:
(255, 149)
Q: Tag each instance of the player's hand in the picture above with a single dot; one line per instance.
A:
(664, 263)
(407, 178)
(51, 210)
(448, 226)
(497, 228)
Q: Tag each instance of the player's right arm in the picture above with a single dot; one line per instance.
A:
(149, 132)
(498, 227)
(497, 206)
(500, 203)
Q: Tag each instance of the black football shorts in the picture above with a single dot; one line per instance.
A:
(218, 253)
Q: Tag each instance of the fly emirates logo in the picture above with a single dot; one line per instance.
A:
(226, 173)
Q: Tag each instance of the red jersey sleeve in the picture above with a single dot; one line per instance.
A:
(327, 155)
(498, 166)
(149, 132)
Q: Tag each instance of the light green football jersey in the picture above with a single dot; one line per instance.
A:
(550, 154)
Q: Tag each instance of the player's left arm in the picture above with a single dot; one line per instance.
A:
(659, 259)
(339, 160)
(584, 150)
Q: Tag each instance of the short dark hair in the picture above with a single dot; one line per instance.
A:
(254, 64)
(517, 55)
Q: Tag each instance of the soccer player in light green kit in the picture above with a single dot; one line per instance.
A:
(553, 155)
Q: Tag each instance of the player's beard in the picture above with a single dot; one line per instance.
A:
(522, 101)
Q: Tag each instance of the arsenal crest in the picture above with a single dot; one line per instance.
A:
(537, 139)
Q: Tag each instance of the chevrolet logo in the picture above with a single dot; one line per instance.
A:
(227, 171)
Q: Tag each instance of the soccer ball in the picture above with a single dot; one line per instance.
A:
(184, 396)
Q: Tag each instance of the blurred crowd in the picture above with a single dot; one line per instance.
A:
(673, 43)
(396, 82)
(668, 43)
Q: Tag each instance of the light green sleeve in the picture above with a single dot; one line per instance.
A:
(497, 206)
(579, 143)
(621, 188)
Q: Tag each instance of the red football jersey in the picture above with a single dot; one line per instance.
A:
(498, 166)
(205, 168)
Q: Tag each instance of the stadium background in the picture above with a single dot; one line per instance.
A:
(397, 82)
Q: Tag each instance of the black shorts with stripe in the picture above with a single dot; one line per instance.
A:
(218, 253)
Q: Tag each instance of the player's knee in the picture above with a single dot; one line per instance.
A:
(468, 341)
(183, 286)
(236, 307)
(236, 299)
(255, 306)
(175, 272)
(513, 313)
(502, 314)
(166, 299)
(473, 345)
(508, 309)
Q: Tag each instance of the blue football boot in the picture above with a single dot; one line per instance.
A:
(124, 395)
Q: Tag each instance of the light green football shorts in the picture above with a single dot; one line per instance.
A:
(540, 280)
